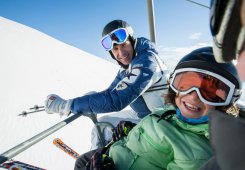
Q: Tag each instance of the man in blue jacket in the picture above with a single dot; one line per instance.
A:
(141, 81)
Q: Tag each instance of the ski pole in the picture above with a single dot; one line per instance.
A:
(25, 113)
(36, 109)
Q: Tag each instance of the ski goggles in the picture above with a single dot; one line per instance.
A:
(211, 88)
(117, 36)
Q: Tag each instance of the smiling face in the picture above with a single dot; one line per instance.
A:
(123, 52)
(191, 106)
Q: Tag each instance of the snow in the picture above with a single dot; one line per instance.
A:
(32, 66)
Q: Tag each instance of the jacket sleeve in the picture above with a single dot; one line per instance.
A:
(126, 88)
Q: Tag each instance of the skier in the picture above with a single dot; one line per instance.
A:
(140, 83)
(175, 136)
(227, 23)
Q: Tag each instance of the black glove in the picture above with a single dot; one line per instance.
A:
(122, 130)
(101, 161)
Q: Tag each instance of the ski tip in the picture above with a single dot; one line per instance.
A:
(57, 140)
(61, 145)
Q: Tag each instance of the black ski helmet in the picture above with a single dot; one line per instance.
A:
(115, 24)
(203, 58)
(226, 28)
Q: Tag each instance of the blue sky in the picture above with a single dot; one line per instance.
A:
(180, 25)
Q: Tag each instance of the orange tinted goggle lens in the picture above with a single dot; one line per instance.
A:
(211, 88)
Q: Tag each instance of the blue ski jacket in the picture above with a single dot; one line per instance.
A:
(141, 85)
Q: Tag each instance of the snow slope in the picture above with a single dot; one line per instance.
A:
(33, 65)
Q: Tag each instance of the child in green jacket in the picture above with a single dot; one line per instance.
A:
(176, 136)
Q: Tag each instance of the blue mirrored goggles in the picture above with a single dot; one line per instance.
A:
(118, 36)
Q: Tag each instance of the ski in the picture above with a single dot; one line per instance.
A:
(60, 144)
(17, 165)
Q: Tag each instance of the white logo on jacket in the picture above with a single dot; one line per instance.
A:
(130, 78)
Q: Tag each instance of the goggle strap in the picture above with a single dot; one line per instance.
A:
(236, 95)
(237, 92)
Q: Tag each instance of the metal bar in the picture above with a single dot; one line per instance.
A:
(151, 20)
(100, 134)
(28, 143)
